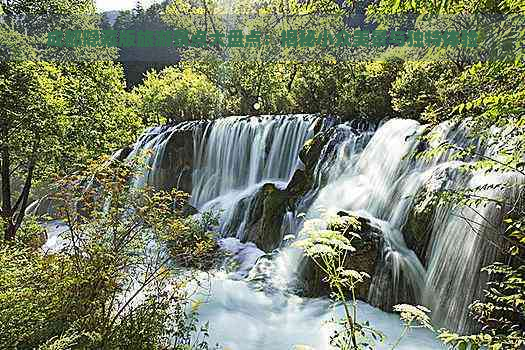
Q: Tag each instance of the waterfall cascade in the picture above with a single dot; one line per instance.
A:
(238, 153)
(359, 170)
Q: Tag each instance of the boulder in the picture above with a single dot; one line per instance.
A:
(417, 229)
(303, 178)
(391, 285)
(364, 259)
(174, 169)
(265, 215)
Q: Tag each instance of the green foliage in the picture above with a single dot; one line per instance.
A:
(32, 20)
(501, 315)
(108, 286)
(410, 314)
(329, 249)
(490, 96)
(30, 120)
(53, 118)
(346, 89)
(98, 121)
(259, 81)
(174, 95)
(136, 61)
(415, 86)
(192, 244)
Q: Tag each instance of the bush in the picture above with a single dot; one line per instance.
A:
(416, 85)
(501, 316)
(176, 94)
(111, 284)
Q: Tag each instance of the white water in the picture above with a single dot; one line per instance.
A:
(373, 185)
(151, 147)
(463, 242)
(380, 182)
(242, 317)
(237, 153)
(381, 185)
(365, 174)
(230, 168)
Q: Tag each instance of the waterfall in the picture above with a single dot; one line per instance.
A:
(238, 153)
(236, 156)
(367, 171)
(464, 240)
(381, 182)
(368, 186)
(337, 157)
(167, 153)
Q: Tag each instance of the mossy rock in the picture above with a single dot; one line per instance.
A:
(176, 165)
(266, 213)
(417, 229)
(302, 180)
(299, 184)
(364, 259)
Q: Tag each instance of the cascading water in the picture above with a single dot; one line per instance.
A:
(382, 186)
(368, 187)
(236, 156)
(238, 153)
(337, 158)
(227, 172)
(464, 240)
(359, 170)
(168, 155)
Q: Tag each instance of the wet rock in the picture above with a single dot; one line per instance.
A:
(241, 257)
(188, 210)
(313, 147)
(265, 216)
(122, 153)
(418, 226)
(300, 183)
(391, 288)
(417, 230)
(364, 259)
(303, 178)
(235, 220)
(176, 166)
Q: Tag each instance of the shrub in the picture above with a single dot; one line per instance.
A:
(111, 284)
(175, 94)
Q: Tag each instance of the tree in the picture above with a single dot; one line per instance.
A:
(30, 126)
(100, 121)
(106, 286)
(176, 94)
(54, 115)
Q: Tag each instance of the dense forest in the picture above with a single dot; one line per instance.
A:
(134, 179)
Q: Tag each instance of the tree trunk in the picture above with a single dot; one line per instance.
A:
(14, 215)
(5, 167)
(10, 231)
